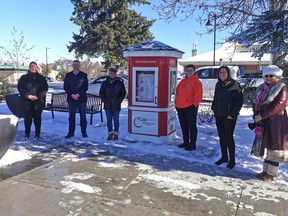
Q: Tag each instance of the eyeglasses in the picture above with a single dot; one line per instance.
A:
(266, 76)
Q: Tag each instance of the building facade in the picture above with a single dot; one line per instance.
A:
(230, 54)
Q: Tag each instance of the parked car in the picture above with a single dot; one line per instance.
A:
(49, 79)
(95, 85)
(180, 77)
(251, 80)
(208, 77)
(249, 83)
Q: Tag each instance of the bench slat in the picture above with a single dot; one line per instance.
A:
(59, 103)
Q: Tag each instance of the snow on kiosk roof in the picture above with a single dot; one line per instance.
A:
(152, 48)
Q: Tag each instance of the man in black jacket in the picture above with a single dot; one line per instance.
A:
(112, 93)
(76, 85)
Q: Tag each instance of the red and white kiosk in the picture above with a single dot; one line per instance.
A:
(151, 92)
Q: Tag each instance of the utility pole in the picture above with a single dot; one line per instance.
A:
(46, 73)
(213, 15)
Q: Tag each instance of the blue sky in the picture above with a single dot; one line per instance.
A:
(47, 24)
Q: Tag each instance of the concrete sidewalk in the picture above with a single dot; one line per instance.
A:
(107, 184)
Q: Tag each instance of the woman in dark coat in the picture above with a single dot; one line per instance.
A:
(112, 93)
(269, 108)
(32, 88)
(226, 105)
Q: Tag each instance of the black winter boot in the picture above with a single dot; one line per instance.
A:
(221, 161)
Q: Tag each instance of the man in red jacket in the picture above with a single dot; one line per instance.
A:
(189, 94)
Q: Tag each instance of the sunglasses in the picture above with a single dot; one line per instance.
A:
(266, 76)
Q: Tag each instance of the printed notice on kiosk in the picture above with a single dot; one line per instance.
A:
(145, 86)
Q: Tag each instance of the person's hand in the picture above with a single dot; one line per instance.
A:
(31, 97)
(229, 117)
(35, 97)
(257, 118)
(75, 96)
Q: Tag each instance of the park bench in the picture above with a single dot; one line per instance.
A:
(59, 103)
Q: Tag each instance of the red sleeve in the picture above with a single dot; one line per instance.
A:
(278, 104)
(198, 93)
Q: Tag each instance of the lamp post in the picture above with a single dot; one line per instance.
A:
(213, 16)
(46, 61)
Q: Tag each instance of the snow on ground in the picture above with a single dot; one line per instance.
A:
(77, 148)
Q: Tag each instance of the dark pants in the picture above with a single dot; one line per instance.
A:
(32, 111)
(72, 113)
(187, 118)
(115, 117)
(225, 128)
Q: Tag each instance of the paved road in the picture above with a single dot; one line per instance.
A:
(113, 180)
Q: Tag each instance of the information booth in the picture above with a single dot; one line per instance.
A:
(151, 92)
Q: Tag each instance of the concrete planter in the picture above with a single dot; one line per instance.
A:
(8, 128)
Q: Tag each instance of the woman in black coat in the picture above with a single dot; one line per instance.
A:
(32, 88)
(112, 92)
(226, 105)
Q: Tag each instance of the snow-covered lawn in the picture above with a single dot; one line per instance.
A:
(208, 151)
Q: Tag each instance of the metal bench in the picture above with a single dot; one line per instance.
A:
(59, 103)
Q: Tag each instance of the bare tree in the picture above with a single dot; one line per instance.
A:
(18, 55)
(92, 68)
(233, 15)
(230, 13)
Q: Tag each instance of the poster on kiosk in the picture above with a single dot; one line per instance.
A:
(151, 92)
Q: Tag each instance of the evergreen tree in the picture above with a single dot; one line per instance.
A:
(269, 29)
(107, 27)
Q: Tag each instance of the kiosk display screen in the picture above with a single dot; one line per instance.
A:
(172, 86)
(145, 86)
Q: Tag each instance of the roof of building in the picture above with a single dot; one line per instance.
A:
(151, 45)
(229, 54)
(13, 67)
(152, 48)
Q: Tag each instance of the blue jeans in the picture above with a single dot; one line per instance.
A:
(72, 113)
(115, 117)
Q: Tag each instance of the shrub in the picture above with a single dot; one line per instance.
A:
(5, 87)
(205, 114)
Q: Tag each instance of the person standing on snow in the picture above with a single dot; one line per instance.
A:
(32, 88)
(112, 93)
(269, 108)
(76, 85)
(189, 94)
(226, 105)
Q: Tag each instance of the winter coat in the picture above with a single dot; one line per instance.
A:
(274, 122)
(76, 84)
(112, 93)
(189, 92)
(33, 84)
(228, 98)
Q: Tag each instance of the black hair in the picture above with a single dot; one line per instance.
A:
(76, 60)
(191, 66)
(113, 69)
(32, 62)
(227, 69)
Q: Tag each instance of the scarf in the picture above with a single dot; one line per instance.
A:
(260, 99)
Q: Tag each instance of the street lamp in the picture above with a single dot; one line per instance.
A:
(46, 61)
(212, 15)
